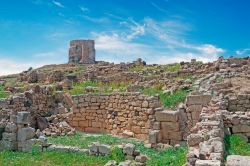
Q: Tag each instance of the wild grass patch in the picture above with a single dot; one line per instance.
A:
(172, 156)
(236, 145)
(168, 100)
(3, 94)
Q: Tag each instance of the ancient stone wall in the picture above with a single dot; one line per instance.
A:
(169, 127)
(118, 113)
(239, 102)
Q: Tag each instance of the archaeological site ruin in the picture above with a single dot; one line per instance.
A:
(188, 104)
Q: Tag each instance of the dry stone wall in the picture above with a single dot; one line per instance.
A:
(128, 114)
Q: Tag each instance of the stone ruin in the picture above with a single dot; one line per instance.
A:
(17, 133)
(82, 51)
(214, 109)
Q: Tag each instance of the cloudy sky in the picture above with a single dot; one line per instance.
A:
(37, 32)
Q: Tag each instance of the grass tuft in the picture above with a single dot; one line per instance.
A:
(236, 145)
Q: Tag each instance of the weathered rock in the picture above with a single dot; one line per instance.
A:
(104, 149)
(25, 133)
(129, 149)
(237, 160)
(42, 123)
(111, 163)
(23, 117)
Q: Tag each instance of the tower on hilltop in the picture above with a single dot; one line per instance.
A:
(82, 51)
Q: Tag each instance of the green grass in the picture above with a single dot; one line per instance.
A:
(174, 156)
(3, 94)
(172, 67)
(235, 145)
(79, 88)
(141, 68)
(36, 158)
(168, 100)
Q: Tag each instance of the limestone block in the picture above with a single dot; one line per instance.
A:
(241, 129)
(23, 117)
(198, 99)
(8, 145)
(11, 137)
(208, 163)
(11, 127)
(237, 160)
(194, 139)
(141, 158)
(25, 133)
(195, 108)
(170, 126)
(153, 135)
(167, 116)
(129, 149)
(104, 149)
(94, 147)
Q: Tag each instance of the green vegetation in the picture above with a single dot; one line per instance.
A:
(3, 94)
(219, 79)
(169, 100)
(172, 67)
(172, 156)
(141, 68)
(99, 87)
(168, 68)
(56, 158)
(236, 145)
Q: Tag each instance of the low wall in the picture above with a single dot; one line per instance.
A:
(240, 102)
(117, 113)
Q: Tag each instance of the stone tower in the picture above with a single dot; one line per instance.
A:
(82, 51)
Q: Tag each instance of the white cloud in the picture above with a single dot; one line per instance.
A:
(158, 7)
(84, 9)
(58, 4)
(245, 52)
(95, 20)
(9, 66)
(170, 45)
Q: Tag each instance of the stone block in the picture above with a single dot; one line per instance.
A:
(26, 146)
(84, 123)
(170, 126)
(11, 137)
(175, 136)
(198, 99)
(25, 134)
(11, 127)
(141, 159)
(241, 129)
(237, 160)
(136, 129)
(104, 149)
(129, 149)
(7, 145)
(195, 108)
(23, 117)
(194, 139)
(94, 147)
(167, 116)
(153, 135)
(208, 163)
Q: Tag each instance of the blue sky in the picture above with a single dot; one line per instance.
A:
(37, 32)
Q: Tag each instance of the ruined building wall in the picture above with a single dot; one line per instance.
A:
(82, 51)
(117, 113)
